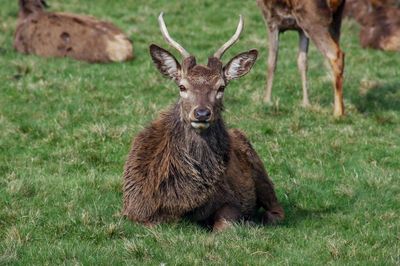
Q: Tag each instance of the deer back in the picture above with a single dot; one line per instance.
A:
(80, 37)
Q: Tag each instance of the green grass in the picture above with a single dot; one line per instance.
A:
(66, 128)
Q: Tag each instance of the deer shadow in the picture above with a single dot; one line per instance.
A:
(295, 215)
(378, 98)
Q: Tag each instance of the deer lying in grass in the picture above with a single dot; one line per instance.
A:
(187, 164)
(62, 34)
(318, 20)
(380, 23)
(360, 8)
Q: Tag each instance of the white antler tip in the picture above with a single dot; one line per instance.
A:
(232, 40)
(168, 38)
(241, 21)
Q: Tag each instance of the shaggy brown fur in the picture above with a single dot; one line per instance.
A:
(172, 171)
(359, 9)
(188, 164)
(62, 34)
(318, 20)
(380, 23)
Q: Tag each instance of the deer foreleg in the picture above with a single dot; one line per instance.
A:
(337, 68)
(331, 50)
(335, 56)
(224, 217)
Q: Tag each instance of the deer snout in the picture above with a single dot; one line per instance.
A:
(201, 117)
(202, 114)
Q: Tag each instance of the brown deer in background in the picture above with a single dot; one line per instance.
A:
(380, 23)
(318, 20)
(63, 34)
(360, 9)
(186, 163)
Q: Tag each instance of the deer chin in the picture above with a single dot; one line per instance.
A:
(200, 125)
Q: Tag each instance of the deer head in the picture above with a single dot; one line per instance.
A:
(201, 86)
(30, 6)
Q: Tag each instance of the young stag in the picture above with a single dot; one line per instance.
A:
(380, 23)
(187, 164)
(62, 34)
(318, 20)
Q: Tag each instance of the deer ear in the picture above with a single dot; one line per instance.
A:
(240, 65)
(44, 3)
(165, 62)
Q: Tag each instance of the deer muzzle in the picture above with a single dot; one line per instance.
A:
(202, 117)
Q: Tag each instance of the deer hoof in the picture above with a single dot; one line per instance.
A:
(338, 113)
(305, 103)
(221, 225)
(267, 101)
(273, 216)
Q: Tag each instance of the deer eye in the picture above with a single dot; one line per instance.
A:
(182, 88)
(220, 92)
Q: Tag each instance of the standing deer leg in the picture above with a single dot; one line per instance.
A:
(272, 59)
(335, 56)
(338, 68)
(302, 65)
(331, 50)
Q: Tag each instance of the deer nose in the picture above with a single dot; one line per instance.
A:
(202, 114)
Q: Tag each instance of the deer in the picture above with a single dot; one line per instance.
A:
(81, 37)
(187, 164)
(380, 23)
(360, 9)
(318, 20)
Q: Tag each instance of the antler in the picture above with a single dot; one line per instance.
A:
(218, 54)
(168, 38)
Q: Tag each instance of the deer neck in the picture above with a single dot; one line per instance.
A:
(213, 141)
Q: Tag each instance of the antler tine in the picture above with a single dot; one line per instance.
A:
(168, 38)
(218, 54)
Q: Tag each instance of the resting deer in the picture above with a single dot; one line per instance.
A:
(361, 9)
(380, 23)
(68, 35)
(318, 20)
(186, 163)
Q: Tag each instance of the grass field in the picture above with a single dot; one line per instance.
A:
(66, 128)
